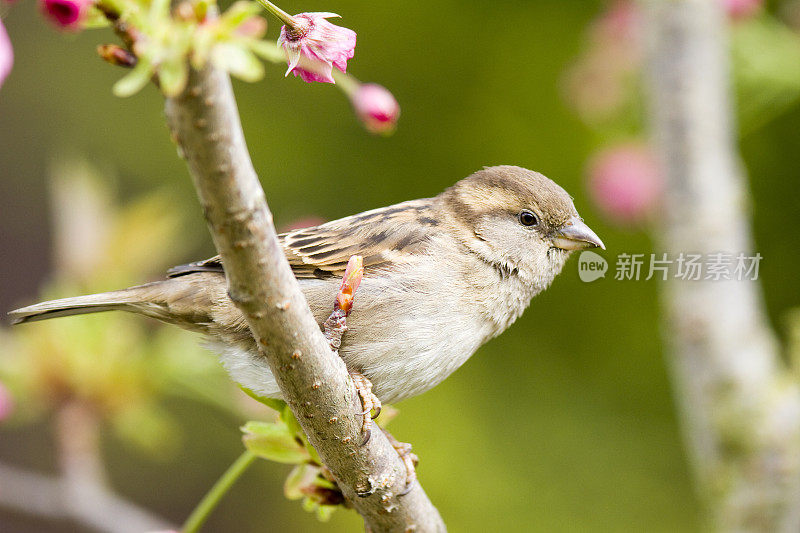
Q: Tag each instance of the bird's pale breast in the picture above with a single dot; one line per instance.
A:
(409, 329)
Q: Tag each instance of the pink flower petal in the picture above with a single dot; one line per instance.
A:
(322, 44)
(6, 54)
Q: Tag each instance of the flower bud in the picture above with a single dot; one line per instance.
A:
(350, 282)
(116, 55)
(376, 108)
(66, 14)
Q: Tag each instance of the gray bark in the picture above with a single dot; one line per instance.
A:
(740, 405)
(205, 124)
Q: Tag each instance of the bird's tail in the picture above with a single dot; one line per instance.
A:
(78, 305)
(145, 299)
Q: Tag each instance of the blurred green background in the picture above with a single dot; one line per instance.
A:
(564, 423)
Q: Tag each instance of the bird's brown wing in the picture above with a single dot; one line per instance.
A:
(380, 236)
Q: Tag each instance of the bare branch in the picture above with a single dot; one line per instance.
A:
(80, 493)
(741, 408)
(205, 123)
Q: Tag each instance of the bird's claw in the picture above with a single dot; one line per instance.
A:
(410, 461)
(369, 403)
(367, 434)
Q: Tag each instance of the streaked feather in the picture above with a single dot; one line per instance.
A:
(381, 236)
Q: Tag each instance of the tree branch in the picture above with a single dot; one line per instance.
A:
(80, 493)
(741, 408)
(48, 497)
(205, 123)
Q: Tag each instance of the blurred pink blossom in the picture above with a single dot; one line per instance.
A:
(6, 402)
(604, 77)
(376, 107)
(6, 54)
(66, 14)
(625, 183)
(621, 21)
(315, 39)
(303, 222)
(252, 27)
(741, 9)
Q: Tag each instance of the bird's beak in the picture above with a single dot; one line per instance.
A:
(575, 235)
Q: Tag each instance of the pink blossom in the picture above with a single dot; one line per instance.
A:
(6, 54)
(252, 27)
(66, 14)
(6, 403)
(303, 222)
(602, 80)
(323, 44)
(376, 107)
(620, 22)
(741, 9)
(625, 183)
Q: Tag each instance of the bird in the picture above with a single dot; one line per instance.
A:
(442, 276)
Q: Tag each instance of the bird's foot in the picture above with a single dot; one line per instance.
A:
(410, 460)
(369, 403)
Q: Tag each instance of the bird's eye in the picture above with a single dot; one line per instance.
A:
(526, 218)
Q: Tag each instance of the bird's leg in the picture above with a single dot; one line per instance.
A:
(410, 460)
(369, 402)
(335, 327)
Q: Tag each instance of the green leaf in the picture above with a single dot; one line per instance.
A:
(295, 481)
(95, 19)
(238, 60)
(135, 80)
(269, 51)
(324, 483)
(274, 442)
(202, 44)
(309, 505)
(287, 417)
(172, 76)
(201, 8)
(272, 403)
(288, 421)
(238, 13)
(324, 512)
(766, 65)
(159, 9)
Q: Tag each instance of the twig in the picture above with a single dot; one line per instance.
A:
(32, 493)
(81, 493)
(205, 123)
(741, 408)
(85, 489)
(220, 488)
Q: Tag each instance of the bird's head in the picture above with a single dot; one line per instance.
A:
(518, 220)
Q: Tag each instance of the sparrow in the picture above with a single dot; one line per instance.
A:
(442, 276)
